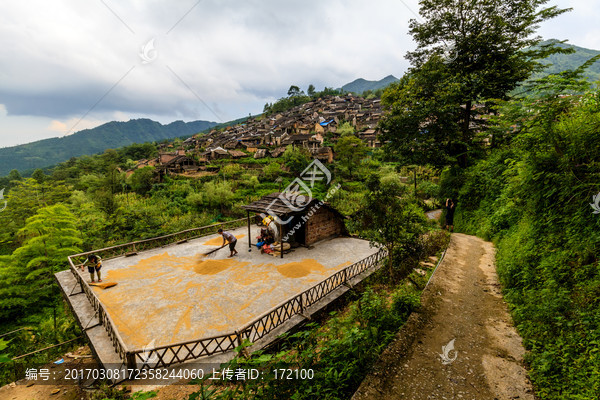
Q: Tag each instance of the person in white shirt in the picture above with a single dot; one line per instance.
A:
(231, 239)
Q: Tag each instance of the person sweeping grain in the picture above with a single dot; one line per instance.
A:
(95, 264)
(231, 239)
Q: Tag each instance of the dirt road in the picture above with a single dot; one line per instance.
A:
(463, 303)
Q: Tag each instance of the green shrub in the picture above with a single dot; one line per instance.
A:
(428, 190)
(404, 302)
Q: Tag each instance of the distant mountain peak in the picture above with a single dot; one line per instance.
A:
(361, 85)
(562, 62)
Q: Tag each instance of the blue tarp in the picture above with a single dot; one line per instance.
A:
(325, 123)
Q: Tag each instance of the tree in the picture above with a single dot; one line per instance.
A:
(391, 221)
(90, 182)
(344, 129)
(483, 50)
(14, 175)
(349, 151)
(294, 91)
(272, 171)
(218, 195)
(113, 179)
(231, 171)
(311, 90)
(138, 151)
(26, 276)
(423, 123)
(106, 201)
(22, 202)
(141, 180)
(39, 176)
(296, 159)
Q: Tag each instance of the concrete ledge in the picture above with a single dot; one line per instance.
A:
(100, 343)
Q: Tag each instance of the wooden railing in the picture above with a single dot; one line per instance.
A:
(167, 355)
(102, 315)
(152, 243)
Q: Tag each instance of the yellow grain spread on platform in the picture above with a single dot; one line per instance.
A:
(171, 299)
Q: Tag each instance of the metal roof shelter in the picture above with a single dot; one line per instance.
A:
(282, 205)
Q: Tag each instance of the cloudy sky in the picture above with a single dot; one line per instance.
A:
(67, 65)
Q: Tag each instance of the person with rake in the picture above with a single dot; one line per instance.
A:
(227, 236)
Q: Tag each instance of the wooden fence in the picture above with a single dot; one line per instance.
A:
(147, 244)
(167, 355)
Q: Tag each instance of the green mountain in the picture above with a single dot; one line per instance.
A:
(562, 62)
(362, 85)
(111, 135)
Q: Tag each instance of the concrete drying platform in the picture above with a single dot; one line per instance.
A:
(174, 294)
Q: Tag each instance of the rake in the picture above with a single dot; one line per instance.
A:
(214, 250)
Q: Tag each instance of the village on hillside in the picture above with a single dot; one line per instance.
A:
(312, 126)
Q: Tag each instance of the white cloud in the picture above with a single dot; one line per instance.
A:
(64, 60)
(72, 125)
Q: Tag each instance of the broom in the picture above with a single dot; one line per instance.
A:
(213, 250)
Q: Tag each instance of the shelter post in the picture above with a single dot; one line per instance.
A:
(249, 237)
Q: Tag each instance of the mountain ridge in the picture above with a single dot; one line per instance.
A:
(562, 62)
(113, 134)
(361, 85)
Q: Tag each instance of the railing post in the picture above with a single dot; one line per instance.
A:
(130, 360)
(79, 279)
(100, 315)
(301, 304)
(346, 275)
(239, 338)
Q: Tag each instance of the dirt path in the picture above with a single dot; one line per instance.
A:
(434, 214)
(462, 303)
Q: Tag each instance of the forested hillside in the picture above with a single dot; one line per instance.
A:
(362, 85)
(524, 171)
(534, 197)
(563, 62)
(111, 135)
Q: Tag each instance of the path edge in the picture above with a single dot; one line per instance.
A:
(402, 343)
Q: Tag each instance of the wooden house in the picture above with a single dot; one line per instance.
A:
(180, 164)
(277, 152)
(237, 154)
(260, 153)
(312, 222)
(324, 154)
(219, 153)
